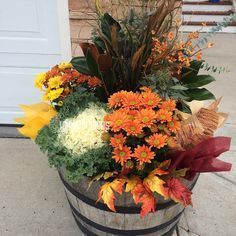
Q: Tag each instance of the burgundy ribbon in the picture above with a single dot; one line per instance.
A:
(203, 157)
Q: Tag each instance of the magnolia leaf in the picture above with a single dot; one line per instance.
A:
(193, 70)
(92, 64)
(179, 87)
(199, 94)
(80, 64)
(197, 81)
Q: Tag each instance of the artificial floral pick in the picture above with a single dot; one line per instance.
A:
(36, 116)
(201, 125)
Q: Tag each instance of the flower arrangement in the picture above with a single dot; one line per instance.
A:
(122, 113)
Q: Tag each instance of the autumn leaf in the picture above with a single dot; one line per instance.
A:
(148, 203)
(106, 192)
(177, 191)
(105, 176)
(178, 173)
(131, 183)
(36, 117)
(141, 195)
(155, 184)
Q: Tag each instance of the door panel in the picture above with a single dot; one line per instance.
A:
(34, 35)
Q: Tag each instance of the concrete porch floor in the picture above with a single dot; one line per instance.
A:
(32, 200)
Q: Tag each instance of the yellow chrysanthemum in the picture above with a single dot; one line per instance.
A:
(40, 79)
(53, 94)
(65, 65)
(55, 82)
(36, 117)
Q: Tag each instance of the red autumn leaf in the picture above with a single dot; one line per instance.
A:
(177, 191)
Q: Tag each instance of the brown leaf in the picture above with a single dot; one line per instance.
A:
(104, 62)
(114, 37)
(136, 57)
(94, 51)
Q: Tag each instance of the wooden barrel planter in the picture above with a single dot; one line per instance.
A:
(95, 219)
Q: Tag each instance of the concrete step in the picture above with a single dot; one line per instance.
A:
(207, 6)
(199, 27)
(201, 16)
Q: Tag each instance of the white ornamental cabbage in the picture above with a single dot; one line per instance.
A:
(84, 131)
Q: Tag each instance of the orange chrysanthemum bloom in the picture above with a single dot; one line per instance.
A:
(163, 115)
(173, 125)
(117, 120)
(122, 154)
(116, 100)
(157, 140)
(150, 100)
(117, 141)
(133, 127)
(146, 117)
(131, 100)
(169, 105)
(143, 154)
(94, 82)
(132, 114)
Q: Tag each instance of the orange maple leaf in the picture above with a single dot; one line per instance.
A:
(177, 191)
(106, 192)
(141, 194)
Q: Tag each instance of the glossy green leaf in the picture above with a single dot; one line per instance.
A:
(197, 81)
(92, 64)
(182, 106)
(193, 70)
(199, 94)
(80, 64)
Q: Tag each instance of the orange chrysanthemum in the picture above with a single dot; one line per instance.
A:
(121, 155)
(131, 100)
(132, 114)
(133, 127)
(117, 120)
(157, 140)
(169, 105)
(143, 154)
(117, 141)
(150, 100)
(163, 115)
(146, 117)
(116, 100)
(173, 125)
(94, 82)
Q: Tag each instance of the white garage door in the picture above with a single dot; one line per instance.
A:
(34, 35)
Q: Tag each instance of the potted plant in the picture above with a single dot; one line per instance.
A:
(121, 128)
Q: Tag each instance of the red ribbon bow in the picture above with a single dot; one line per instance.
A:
(203, 157)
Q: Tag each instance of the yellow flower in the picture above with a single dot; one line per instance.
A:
(55, 82)
(65, 65)
(40, 79)
(54, 94)
(36, 117)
